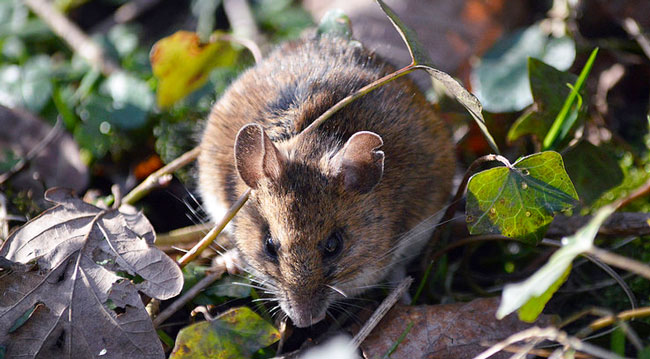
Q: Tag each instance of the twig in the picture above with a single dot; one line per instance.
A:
(214, 232)
(612, 273)
(619, 261)
(247, 43)
(183, 235)
(633, 29)
(451, 210)
(154, 179)
(641, 192)
(549, 333)
(618, 224)
(216, 273)
(4, 222)
(72, 34)
(241, 20)
(625, 315)
(125, 13)
(22, 163)
(357, 94)
(380, 312)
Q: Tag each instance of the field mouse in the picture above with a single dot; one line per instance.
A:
(329, 208)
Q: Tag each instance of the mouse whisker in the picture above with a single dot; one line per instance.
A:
(340, 308)
(337, 290)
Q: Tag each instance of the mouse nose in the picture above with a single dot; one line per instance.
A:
(306, 314)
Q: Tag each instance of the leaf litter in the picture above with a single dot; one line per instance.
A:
(79, 297)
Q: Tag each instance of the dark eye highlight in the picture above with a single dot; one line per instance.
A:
(332, 245)
(271, 247)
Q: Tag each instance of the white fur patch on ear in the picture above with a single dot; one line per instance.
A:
(256, 157)
(359, 163)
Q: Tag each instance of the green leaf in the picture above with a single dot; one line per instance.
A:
(238, 333)
(584, 162)
(124, 39)
(132, 100)
(519, 201)
(618, 341)
(549, 88)
(645, 353)
(335, 22)
(535, 305)
(230, 287)
(552, 135)
(28, 86)
(500, 79)
(421, 60)
(514, 296)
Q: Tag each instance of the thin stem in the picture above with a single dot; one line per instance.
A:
(549, 333)
(359, 93)
(381, 311)
(24, 162)
(624, 315)
(78, 41)
(632, 28)
(154, 179)
(214, 232)
(185, 298)
(460, 192)
(183, 235)
(641, 192)
(619, 261)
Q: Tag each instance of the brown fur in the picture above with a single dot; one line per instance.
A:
(285, 93)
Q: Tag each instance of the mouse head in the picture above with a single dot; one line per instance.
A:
(311, 231)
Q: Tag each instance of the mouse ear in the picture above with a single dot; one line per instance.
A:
(256, 157)
(359, 163)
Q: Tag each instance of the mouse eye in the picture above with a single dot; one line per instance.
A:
(271, 247)
(332, 245)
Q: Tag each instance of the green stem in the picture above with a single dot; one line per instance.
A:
(359, 93)
(568, 103)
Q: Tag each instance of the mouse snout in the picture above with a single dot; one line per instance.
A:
(305, 312)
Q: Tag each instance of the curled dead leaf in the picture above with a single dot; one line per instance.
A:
(81, 292)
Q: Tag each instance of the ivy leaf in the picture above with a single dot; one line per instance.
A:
(336, 23)
(516, 296)
(520, 201)
(181, 63)
(421, 60)
(27, 86)
(500, 79)
(584, 162)
(238, 333)
(549, 88)
(132, 100)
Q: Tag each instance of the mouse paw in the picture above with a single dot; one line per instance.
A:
(230, 260)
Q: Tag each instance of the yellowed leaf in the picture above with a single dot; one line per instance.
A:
(182, 63)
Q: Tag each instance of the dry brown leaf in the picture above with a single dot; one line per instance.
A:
(57, 164)
(76, 301)
(441, 331)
